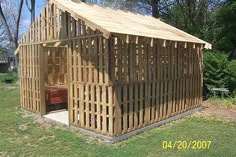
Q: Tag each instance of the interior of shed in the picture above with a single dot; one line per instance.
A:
(56, 92)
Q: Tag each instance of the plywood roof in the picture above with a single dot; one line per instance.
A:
(110, 21)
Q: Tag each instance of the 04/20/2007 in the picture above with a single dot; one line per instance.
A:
(183, 145)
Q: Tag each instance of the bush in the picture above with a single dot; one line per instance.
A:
(218, 71)
(9, 75)
(215, 71)
(232, 76)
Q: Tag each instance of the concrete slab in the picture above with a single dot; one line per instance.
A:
(59, 117)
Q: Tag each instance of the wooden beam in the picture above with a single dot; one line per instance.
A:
(127, 39)
(164, 43)
(62, 40)
(185, 45)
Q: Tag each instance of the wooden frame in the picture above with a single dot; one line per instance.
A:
(116, 84)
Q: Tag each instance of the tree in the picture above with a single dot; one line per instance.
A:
(31, 8)
(155, 8)
(188, 15)
(226, 27)
(12, 35)
(3, 36)
(232, 73)
(215, 71)
(150, 7)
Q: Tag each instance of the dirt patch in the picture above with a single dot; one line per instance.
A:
(23, 127)
(218, 112)
(37, 119)
(4, 154)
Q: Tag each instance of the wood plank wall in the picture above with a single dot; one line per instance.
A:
(46, 27)
(152, 83)
(30, 78)
(91, 94)
(117, 87)
(50, 27)
(56, 66)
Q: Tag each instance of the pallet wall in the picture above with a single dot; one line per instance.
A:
(31, 84)
(153, 80)
(52, 30)
(91, 93)
(117, 87)
(47, 27)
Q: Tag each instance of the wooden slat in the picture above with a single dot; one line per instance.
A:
(111, 106)
(87, 117)
(42, 81)
(170, 76)
(135, 103)
(131, 109)
(161, 91)
(81, 105)
(92, 93)
(117, 102)
(147, 86)
(75, 85)
(100, 62)
(70, 84)
(104, 111)
(98, 108)
(125, 108)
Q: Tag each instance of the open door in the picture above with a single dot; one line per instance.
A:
(56, 83)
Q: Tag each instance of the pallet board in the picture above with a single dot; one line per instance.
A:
(116, 84)
(55, 66)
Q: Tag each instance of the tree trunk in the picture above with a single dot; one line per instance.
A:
(13, 37)
(155, 8)
(33, 11)
(16, 35)
(5, 25)
(31, 8)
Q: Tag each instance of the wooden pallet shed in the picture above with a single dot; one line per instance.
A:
(124, 71)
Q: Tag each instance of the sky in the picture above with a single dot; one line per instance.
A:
(26, 14)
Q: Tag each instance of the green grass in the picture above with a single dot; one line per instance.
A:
(229, 102)
(11, 75)
(36, 140)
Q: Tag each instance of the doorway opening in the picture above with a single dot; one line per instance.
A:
(56, 84)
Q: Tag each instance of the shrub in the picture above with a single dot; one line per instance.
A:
(218, 71)
(9, 75)
(232, 77)
(215, 70)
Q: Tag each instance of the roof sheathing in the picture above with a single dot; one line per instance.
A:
(109, 21)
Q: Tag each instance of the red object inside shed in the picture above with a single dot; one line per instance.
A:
(56, 95)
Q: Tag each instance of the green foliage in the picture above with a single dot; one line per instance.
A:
(226, 27)
(218, 71)
(215, 69)
(9, 75)
(232, 76)
(190, 16)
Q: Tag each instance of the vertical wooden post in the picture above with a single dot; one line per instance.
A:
(42, 79)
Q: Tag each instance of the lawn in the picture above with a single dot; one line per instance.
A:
(21, 136)
(226, 102)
